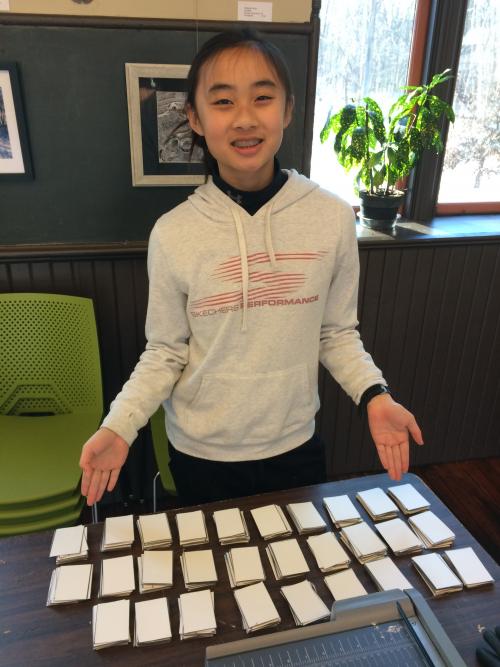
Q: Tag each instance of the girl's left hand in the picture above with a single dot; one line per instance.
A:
(391, 426)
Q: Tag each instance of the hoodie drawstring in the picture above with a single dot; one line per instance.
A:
(269, 238)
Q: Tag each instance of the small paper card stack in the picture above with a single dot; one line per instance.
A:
(154, 531)
(400, 537)
(433, 532)
(341, 510)
(306, 518)
(118, 533)
(70, 583)
(110, 624)
(155, 571)
(198, 568)
(436, 574)
(468, 567)
(408, 499)
(386, 575)
(192, 528)
(286, 558)
(328, 552)
(69, 544)
(152, 622)
(197, 615)
(231, 526)
(244, 566)
(256, 607)
(271, 521)
(305, 604)
(378, 504)
(117, 577)
(345, 585)
(363, 542)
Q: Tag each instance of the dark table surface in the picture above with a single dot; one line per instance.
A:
(33, 634)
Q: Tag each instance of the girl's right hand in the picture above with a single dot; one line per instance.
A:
(102, 458)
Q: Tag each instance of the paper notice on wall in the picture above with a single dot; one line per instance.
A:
(4, 5)
(255, 11)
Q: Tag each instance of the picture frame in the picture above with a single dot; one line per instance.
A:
(160, 136)
(15, 155)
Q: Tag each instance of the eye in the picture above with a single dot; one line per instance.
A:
(264, 98)
(223, 101)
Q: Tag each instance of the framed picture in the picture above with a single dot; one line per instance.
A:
(160, 135)
(15, 158)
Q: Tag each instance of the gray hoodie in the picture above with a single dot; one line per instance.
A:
(240, 310)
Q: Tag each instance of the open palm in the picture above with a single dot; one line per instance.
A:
(101, 460)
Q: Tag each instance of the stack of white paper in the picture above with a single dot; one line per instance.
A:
(286, 558)
(328, 552)
(69, 544)
(154, 531)
(433, 532)
(117, 577)
(110, 623)
(256, 607)
(197, 615)
(305, 604)
(341, 510)
(468, 567)
(192, 528)
(345, 585)
(152, 622)
(118, 533)
(408, 499)
(400, 537)
(70, 583)
(378, 504)
(271, 521)
(231, 526)
(386, 575)
(363, 542)
(436, 574)
(198, 568)
(155, 571)
(244, 566)
(306, 518)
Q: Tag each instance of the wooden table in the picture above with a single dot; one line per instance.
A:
(33, 634)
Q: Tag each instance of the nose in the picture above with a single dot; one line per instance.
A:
(244, 118)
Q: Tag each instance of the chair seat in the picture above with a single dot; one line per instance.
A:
(41, 509)
(67, 518)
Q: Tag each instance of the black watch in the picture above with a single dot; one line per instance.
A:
(370, 393)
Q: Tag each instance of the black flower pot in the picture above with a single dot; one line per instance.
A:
(380, 211)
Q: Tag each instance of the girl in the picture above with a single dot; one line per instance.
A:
(252, 281)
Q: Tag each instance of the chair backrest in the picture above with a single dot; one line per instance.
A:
(49, 355)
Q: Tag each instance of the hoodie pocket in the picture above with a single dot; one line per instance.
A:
(231, 409)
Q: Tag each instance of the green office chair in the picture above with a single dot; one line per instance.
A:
(160, 445)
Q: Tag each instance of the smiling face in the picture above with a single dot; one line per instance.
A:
(241, 111)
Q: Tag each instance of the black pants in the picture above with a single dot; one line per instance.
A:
(202, 481)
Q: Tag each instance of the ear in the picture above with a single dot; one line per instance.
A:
(193, 120)
(289, 112)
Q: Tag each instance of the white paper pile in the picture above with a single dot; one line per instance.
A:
(69, 544)
(196, 614)
(408, 499)
(306, 518)
(117, 577)
(436, 574)
(433, 532)
(244, 566)
(328, 552)
(305, 604)
(192, 528)
(155, 571)
(110, 624)
(152, 622)
(341, 510)
(231, 526)
(118, 533)
(345, 585)
(378, 504)
(271, 521)
(400, 537)
(286, 559)
(70, 583)
(386, 575)
(198, 568)
(363, 542)
(469, 568)
(256, 607)
(154, 531)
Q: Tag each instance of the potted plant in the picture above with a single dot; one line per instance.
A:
(384, 151)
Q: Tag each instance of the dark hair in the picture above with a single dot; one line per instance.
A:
(233, 39)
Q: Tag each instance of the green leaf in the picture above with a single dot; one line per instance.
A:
(347, 116)
(359, 142)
